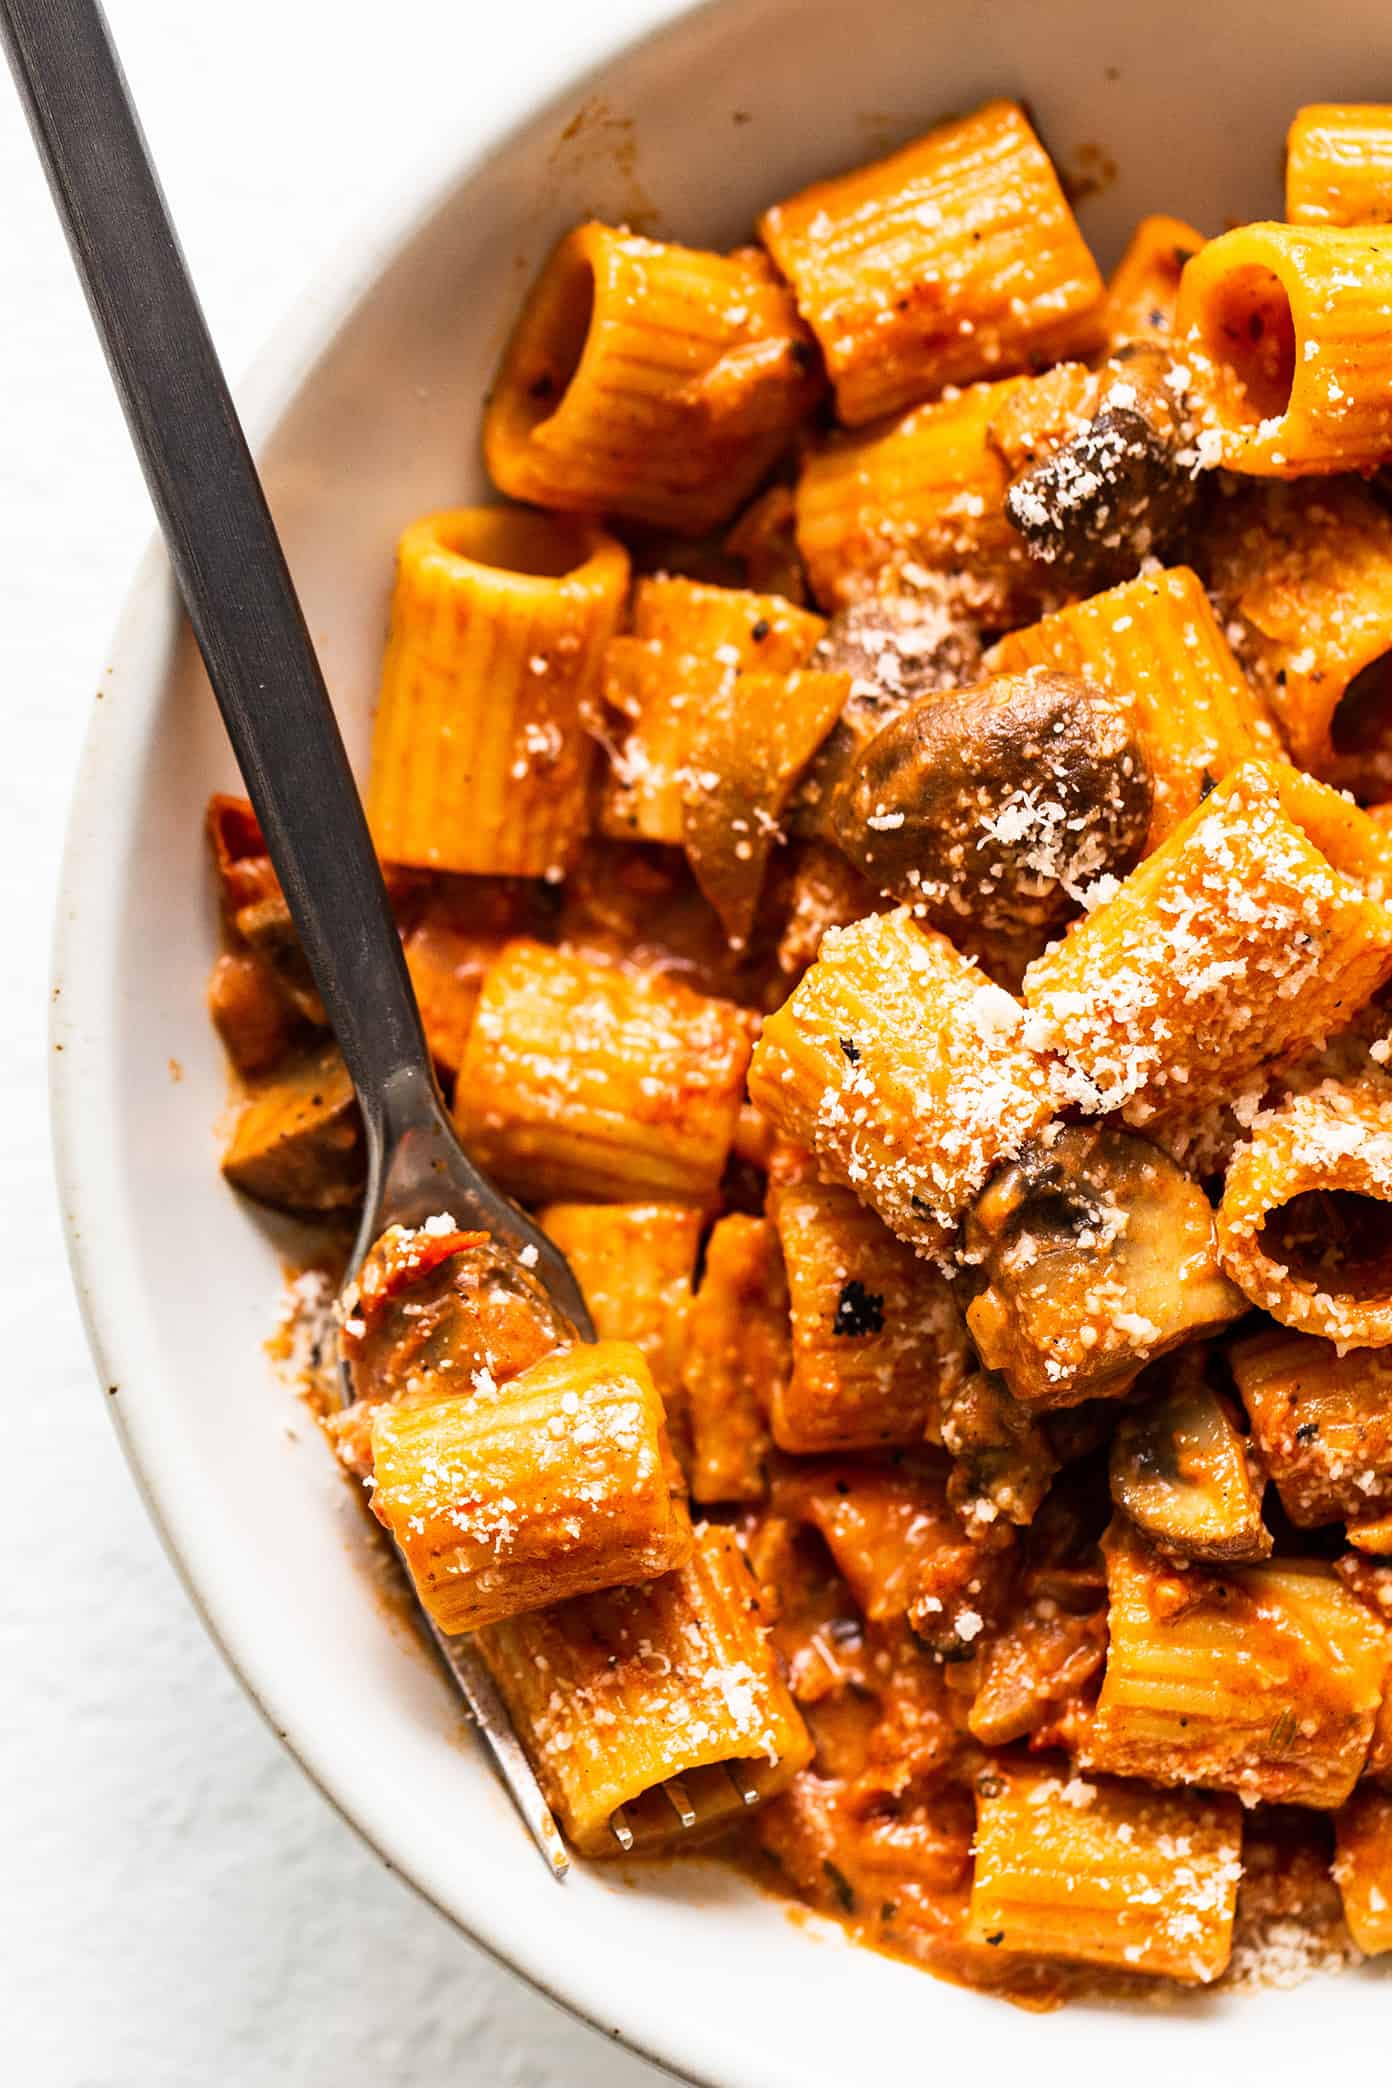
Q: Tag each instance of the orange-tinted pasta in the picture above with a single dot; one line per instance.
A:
(1156, 643)
(904, 1070)
(1305, 575)
(582, 1080)
(922, 493)
(955, 258)
(481, 757)
(1282, 328)
(1301, 1228)
(1255, 929)
(1321, 1422)
(648, 380)
(1144, 287)
(1339, 164)
(1016, 1299)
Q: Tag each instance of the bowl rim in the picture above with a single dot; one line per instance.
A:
(87, 906)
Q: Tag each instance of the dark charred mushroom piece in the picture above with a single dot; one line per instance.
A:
(267, 929)
(1091, 1254)
(1001, 1459)
(1184, 1473)
(895, 648)
(298, 1141)
(1117, 491)
(999, 805)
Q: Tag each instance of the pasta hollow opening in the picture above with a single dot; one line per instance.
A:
(1362, 723)
(560, 329)
(509, 540)
(1338, 1239)
(1248, 331)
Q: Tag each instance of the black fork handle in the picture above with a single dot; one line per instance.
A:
(222, 542)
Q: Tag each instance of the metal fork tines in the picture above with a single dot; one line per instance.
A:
(251, 631)
(704, 1798)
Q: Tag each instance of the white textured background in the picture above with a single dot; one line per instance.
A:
(178, 1907)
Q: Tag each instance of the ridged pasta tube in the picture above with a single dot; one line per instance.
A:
(1283, 329)
(481, 760)
(956, 258)
(613, 1694)
(648, 380)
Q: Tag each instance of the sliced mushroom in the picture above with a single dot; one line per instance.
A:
(1002, 1461)
(998, 806)
(1117, 491)
(1043, 1659)
(1091, 1254)
(445, 1313)
(268, 930)
(895, 648)
(297, 1142)
(1184, 1473)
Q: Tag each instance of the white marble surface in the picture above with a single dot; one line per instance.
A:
(178, 1907)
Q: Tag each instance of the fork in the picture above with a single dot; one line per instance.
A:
(251, 632)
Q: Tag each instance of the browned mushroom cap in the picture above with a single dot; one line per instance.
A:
(1183, 1472)
(1117, 491)
(298, 1139)
(895, 648)
(998, 806)
(1091, 1253)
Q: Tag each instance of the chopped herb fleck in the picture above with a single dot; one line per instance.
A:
(1307, 1432)
(851, 1049)
(840, 1885)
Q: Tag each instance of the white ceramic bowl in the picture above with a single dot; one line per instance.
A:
(367, 419)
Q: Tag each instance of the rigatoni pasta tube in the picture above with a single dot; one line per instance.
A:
(1104, 1873)
(1305, 1223)
(957, 257)
(1284, 331)
(1305, 573)
(613, 1694)
(1256, 929)
(735, 626)
(1144, 288)
(879, 1346)
(654, 693)
(1263, 1680)
(1155, 644)
(513, 1497)
(736, 1359)
(648, 380)
(904, 1070)
(481, 759)
(1339, 164)
(580, 1080)
(1363, 1869)
(926, 490)
(634, 1263)
(1321, 1423)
